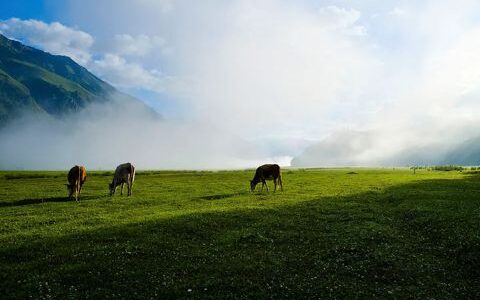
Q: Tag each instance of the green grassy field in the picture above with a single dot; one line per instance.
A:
(331, 233)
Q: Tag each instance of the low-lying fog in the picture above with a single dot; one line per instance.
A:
(102, 136)
(105, 135)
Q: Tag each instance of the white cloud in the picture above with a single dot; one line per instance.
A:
(276, 69)
(335, 17)
(398, 12)
(122, 60)
(54, 37)
(129, 75)
(141, 45)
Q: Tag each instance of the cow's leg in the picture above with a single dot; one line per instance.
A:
(129, 184)
(81, 185)
(275, 185)
(121, 190)
(266, 185)
(77, 190)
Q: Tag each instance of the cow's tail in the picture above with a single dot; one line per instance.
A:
(280, 178)
(132, 171)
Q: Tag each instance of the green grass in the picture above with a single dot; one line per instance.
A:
(331, 234)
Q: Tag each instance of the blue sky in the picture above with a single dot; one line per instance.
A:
(25, 9)
(296, 72)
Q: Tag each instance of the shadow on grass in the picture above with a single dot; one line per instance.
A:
(418, 240)
(219, 196)
(30, 201)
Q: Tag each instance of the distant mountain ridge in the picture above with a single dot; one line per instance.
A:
(37, 81)
(358, 148)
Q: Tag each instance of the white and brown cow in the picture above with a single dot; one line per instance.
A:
(76, 178)
(125, 173)
(267, 172)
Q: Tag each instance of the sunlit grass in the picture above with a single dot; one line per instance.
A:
(344, 233)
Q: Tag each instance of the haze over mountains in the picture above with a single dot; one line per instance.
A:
(356, 148)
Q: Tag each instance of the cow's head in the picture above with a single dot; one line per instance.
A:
(111, 188)
(253, 184)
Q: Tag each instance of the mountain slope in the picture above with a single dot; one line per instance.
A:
(34, 80)
(14, 97)
(466, 153)
(363, 148)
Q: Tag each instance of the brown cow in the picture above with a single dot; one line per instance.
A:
(76, 178)
(267, 172)
(125, 173)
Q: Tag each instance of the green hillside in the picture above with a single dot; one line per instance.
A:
(34, 80)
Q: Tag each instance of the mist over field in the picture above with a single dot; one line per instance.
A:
(103, 135)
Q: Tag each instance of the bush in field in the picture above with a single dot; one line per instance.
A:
(415, 168)
(448, 168)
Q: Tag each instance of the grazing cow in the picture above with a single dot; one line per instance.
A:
(125, 173)
(267, 172)
(76, 178)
